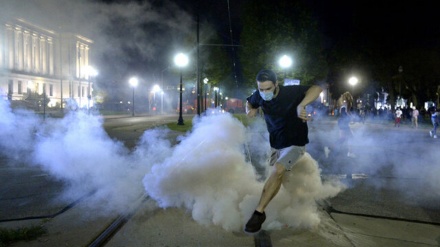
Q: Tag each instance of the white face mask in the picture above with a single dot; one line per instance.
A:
(267, 96)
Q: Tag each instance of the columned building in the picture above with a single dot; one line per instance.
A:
(42, 65)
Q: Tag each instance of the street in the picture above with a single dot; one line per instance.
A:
(394, 175)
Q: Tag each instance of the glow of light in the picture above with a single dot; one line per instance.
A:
(133, 81)
(156, 89)
(285, 61)
(353, 80)
(181, 60)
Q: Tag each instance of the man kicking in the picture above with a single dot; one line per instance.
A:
(284, 109)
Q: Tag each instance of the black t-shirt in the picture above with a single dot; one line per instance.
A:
(284, 126)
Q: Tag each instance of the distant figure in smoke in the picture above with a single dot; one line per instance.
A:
(284, 109)
(434, 119)
(345, 102)
(398, 117)
(415, 118)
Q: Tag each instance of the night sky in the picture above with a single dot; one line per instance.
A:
(133, 36)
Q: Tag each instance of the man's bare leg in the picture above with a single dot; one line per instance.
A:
(271, 187)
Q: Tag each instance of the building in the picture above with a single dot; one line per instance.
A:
(42, 67)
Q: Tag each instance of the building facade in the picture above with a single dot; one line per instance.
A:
(41, 66)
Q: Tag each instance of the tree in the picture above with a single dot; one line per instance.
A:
(276, 28)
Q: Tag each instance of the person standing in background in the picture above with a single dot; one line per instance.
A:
(345, 102)
(415, 118)
(398, 117)
(434, 120)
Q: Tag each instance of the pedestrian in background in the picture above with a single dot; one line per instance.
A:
(397, 117)
(284, 109)
(415, 118)
(434, 120)
(345, 103)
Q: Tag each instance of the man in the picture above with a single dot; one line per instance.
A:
(398, 117)
(345, 103)
(415, 117)
(284, 109)
(434, 120)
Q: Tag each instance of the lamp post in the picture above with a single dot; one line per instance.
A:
(156, 89)
(91, 72)
(205, 81)
(215, 96)
(181, 60)
(353, 81)
(285, 62)
(133, 82)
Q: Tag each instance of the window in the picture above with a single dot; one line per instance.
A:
(50, 90)
(20, 87)
(79, 91)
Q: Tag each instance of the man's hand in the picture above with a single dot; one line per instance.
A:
(302, 113)
(250, 112)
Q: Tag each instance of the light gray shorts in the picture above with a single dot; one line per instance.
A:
(287, 156)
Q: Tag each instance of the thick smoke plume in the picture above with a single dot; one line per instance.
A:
(208, 172)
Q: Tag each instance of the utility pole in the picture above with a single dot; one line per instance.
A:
(199, 87)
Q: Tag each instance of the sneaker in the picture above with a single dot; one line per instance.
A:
(255, 222)
(435, 136)
(430, 133)
(351, 155)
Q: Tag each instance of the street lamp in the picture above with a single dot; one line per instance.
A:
(91, 72)
(181, 60)
(285, 62)
(156, 89)
(133, 82)
(353, 81)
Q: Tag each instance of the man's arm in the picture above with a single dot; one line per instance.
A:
(250, 111)
(311, 95)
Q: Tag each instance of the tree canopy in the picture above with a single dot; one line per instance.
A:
(276, 28)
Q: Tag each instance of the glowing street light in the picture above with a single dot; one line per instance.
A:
(285, 62)
(353, 81)
(181, 60)
(133, 82)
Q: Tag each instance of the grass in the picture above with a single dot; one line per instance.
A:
(8, 236)
(188, 123)
(181, 128)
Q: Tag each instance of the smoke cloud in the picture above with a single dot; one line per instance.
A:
(208, 172)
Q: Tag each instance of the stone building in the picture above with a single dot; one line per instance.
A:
(43, 67)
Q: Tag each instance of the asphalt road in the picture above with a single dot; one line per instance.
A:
(394, 175)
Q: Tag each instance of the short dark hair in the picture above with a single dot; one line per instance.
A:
(266, 75)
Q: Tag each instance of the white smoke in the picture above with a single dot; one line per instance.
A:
(207, 174)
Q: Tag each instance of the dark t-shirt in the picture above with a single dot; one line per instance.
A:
(284, 126)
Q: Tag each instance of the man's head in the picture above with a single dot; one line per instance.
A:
(267, 83)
